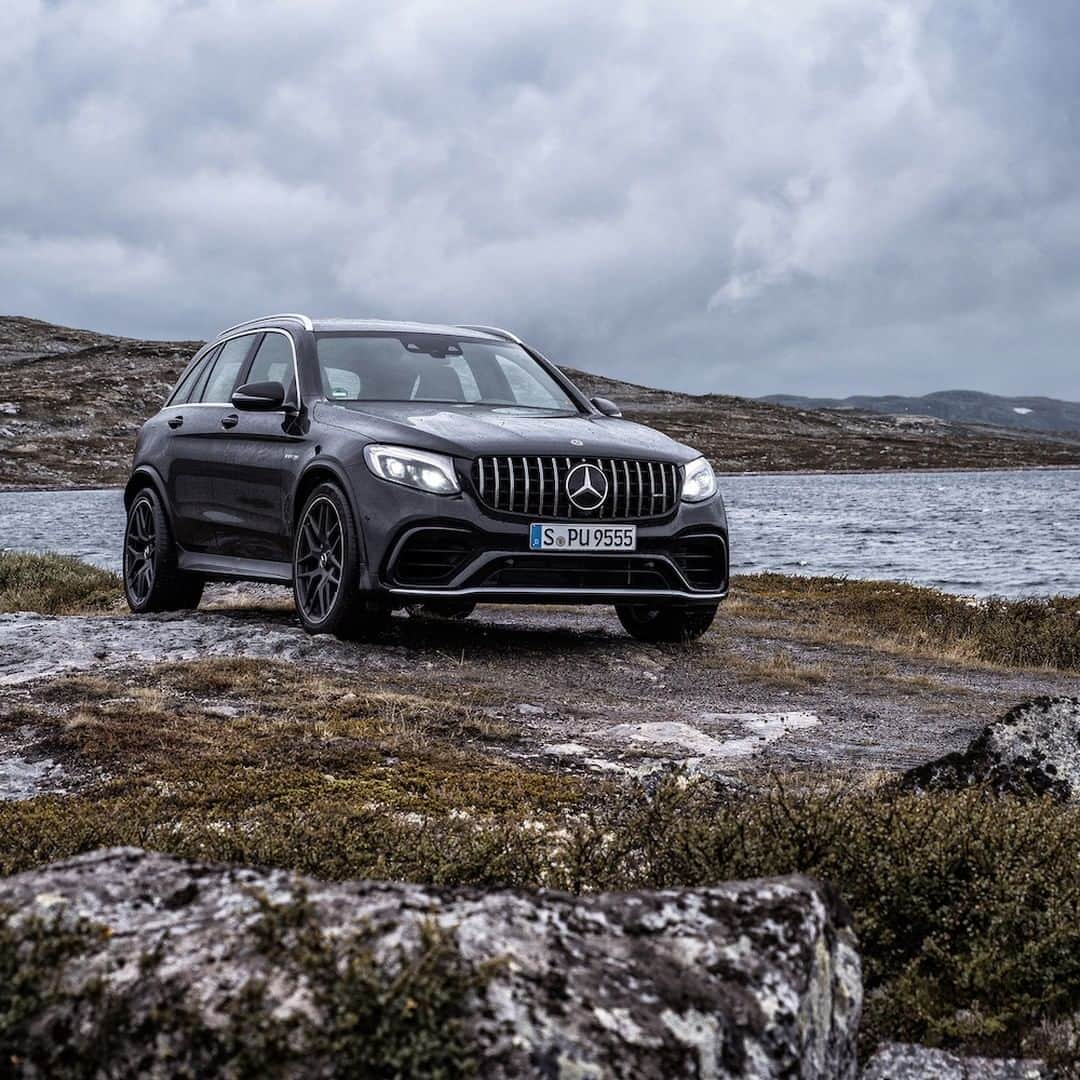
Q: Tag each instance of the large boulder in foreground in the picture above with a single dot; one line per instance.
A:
(154, 966)
(900, 1061)
(1033, 749)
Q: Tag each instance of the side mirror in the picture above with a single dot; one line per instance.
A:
(608, 408)
(259, 396)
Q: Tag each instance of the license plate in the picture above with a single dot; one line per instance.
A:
(582, 537)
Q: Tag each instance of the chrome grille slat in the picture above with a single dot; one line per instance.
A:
(637, 490)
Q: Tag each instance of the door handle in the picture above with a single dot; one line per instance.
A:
(175, 421)
(230, 421)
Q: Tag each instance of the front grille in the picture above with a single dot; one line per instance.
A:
(702, 559)
(536, 486)
(614, 572)
(432, 556)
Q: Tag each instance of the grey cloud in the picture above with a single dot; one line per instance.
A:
(821, 196)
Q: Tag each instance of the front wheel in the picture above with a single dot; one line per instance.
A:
(326, 568)
(657, 625)
(152, 579)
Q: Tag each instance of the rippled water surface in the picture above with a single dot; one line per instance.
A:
(1011, 533)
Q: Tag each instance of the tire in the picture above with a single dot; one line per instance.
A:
(666, 624)
(152, 579)
(326, 569)
(444, 609)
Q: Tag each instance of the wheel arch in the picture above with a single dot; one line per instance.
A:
(145, 476)
(325, 472)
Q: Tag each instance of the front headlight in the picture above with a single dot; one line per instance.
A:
(699, 481)
(413, 468)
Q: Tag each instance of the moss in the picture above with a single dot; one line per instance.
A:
(54, 585)
(402, 1017)
(34, 952)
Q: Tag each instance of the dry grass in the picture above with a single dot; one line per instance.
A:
(55, 585)
(780, 668)
(1033, 633)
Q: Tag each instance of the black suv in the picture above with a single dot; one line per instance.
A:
(378, 465)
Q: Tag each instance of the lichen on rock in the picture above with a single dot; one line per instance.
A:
(1034, 749)
(751, 979)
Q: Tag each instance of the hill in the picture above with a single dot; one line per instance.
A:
(960, 406)
(71, 402)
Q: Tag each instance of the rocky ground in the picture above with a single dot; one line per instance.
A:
(565, 688)
(72, 400)
(530, 748)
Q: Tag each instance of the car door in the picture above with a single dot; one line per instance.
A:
(194, 484)
(253, 448)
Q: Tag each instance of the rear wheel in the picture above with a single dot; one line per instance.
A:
(326, 566)
(666, 624)
(153, 581)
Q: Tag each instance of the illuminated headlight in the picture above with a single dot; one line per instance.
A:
(699, 481)
(413, 468)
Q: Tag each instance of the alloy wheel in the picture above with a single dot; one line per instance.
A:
(139, 549)
(320, 557)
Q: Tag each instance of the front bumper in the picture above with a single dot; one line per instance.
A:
(424, 547)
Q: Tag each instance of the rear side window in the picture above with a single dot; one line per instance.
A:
(182, 394)
(222, 375)
(274, 363)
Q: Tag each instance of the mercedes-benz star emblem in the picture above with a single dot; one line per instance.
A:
(586, 487)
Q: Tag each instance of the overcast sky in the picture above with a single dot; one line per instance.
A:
(818, 196)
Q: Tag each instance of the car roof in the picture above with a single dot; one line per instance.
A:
(350, 325)
(390, 325)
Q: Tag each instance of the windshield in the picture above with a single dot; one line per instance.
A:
(435, 368)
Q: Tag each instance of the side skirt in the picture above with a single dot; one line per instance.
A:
(224, 566)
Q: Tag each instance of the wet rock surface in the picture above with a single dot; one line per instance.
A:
(1034, 749)
(749, 979)
(899, 1061)
(570, 690)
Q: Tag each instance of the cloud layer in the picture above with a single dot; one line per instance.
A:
(822, 196)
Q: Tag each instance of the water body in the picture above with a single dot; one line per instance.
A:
(1007, 533)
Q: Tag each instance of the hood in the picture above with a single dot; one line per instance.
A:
(472, 430)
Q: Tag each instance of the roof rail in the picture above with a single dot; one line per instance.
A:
(303, 320)
(497, 331)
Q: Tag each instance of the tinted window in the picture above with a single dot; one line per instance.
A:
(190, 377)
(274, 363)
(435, 368)
(222, 378)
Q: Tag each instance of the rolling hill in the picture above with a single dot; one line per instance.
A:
(957, 406)
(71, 402)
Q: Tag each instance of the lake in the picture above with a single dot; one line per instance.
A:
(1009, 532)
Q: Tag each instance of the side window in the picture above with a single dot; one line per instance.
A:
(222, 376)
(274, 363)
(182, 393)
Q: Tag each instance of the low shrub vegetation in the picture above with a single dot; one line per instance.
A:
(967, 906)
(54, 585)
(1016, 633)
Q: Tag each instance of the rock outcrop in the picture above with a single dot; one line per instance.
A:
(899, 1061)
(1033, 749)
(748, 979)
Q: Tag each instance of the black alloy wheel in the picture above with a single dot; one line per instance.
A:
(320, 559)
(152, 579)
(658, 625)
(326, 567)
(139, 548)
